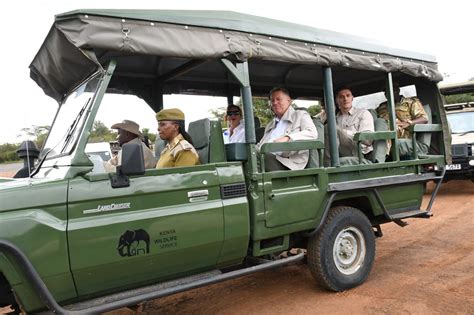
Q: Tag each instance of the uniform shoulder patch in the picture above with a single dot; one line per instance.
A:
(185, 145)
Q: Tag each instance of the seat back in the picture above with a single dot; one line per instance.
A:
(200, 131)
(259, 130)
(379, 153)
(314, 154)
(425, 137)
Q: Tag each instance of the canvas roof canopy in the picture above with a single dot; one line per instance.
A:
(167, 51)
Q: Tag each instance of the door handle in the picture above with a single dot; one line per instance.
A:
(198, 195)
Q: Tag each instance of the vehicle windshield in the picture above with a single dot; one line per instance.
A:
(70, 118)
(461, 122)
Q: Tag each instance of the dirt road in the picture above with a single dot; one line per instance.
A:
(426, 267)
(9, 169)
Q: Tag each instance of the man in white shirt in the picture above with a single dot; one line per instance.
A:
(288, 125)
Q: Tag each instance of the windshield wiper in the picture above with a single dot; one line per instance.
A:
(66, 138)
(73, 126)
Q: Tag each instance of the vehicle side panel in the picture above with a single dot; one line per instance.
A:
(34, 218)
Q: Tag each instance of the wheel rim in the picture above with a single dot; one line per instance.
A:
(349, 250)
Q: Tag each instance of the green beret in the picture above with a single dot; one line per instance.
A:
(170, 114)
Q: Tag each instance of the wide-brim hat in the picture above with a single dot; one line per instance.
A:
(128, 125)
(172, 114)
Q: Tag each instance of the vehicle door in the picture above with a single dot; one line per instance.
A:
(167, 222)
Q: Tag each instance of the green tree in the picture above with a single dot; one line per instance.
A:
(262, 110)
(151, 136)
(8, 152)
(100, 133)
(313, 110)
(459, 98)
(218, 113)
(40, 133)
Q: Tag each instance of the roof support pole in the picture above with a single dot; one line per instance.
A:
(230, 99)
(157, 96)
(241, 73)
(392, 116)
(331, 116)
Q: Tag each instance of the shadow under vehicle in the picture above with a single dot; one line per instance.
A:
(88, 242)
(461, 121)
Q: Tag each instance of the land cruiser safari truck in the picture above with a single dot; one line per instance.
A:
(77, 240)
(461, 120)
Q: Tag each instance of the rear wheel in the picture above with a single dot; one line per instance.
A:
(341, 254)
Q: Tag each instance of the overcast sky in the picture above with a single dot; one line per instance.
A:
(441, 28)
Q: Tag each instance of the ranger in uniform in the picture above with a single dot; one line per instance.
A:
(179, 150)
(409, 111)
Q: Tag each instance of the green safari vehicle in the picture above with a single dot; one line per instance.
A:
(74, 240)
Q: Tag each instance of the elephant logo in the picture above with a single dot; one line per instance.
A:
(133, 243)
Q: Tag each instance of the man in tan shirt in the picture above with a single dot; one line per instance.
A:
(349, 121)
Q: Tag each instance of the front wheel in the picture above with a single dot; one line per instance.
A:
(341, 254)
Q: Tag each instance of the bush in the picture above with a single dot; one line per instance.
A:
(8, 152)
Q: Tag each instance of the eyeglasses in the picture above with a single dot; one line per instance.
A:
(233, 113)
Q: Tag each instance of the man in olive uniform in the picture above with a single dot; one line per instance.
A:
(409, 111)
(179, 150)
(129, 132)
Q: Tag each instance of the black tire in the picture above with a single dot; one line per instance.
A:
(347, 265)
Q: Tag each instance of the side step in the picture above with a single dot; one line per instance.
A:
(127, 298)
(412, 214)
(141, 291)
(162, 292)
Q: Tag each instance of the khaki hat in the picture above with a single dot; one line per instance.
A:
(170, 114)
(128, 125)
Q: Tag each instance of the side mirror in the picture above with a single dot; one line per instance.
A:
(132, 159)
(132, 164)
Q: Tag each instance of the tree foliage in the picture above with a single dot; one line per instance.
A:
(459, 98)
(261, 109)
(218, 113)
(100, 133)
(39, 133)
(313, 110)
(148, 135)
(8, 152)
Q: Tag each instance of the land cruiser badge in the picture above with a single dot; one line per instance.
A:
(111, 207)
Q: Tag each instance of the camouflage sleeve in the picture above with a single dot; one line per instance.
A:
(417, 110)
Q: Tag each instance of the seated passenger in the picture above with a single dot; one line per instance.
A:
(129, 132)
(409, 111)
(351, 120)
(235, 132)
(179, 150)
(288, 125)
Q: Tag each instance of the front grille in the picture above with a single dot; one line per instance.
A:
(233, 190)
